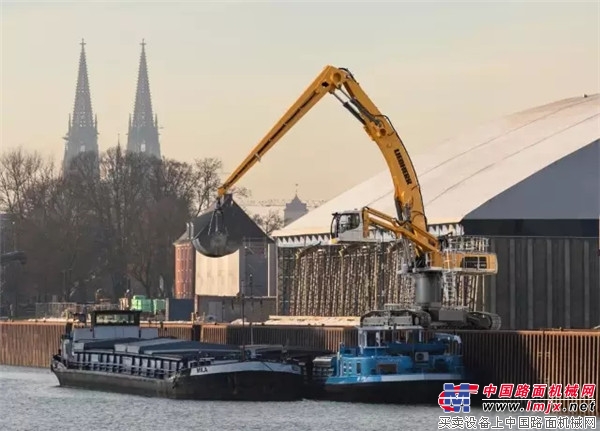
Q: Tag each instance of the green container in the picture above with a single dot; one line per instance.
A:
(147, 305)
(141, 303)
(159, 305)
(136, 304)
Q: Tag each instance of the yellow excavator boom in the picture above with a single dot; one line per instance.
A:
(342, 84)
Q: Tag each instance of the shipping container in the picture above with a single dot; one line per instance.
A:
(179, 309)
(159, 305)
(141, 303)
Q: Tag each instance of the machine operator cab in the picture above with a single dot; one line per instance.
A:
(347, 226)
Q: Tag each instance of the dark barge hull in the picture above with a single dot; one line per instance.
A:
(404, 392)
(235, 386)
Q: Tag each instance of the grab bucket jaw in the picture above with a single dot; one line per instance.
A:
(219, 229)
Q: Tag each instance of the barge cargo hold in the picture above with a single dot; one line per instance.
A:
(116, 355)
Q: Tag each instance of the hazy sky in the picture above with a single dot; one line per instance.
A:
(222, 73)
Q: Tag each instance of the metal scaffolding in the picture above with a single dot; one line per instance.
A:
(349, 280)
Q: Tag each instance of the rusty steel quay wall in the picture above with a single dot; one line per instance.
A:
(31, 344)
(562, 357)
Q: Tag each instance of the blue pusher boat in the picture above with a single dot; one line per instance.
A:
(394, 362)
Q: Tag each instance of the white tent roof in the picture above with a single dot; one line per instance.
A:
(465, 172)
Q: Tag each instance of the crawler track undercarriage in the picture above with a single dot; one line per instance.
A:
(435, 287)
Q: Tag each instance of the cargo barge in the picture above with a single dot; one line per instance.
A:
(115, 354)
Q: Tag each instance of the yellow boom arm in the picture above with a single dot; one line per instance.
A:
(407, 192)
(472, 259)
(425, 242)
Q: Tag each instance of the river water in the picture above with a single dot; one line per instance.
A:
(31, 400)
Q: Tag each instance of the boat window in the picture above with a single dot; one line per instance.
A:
(126, 319)
(363, 339)
(371, 339)
(387, 337)
(358, 368)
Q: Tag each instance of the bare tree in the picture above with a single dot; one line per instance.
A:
(110, 218)
(270, 222)
(27, 185)
(167, 209)
(209, 178)
(23, 180)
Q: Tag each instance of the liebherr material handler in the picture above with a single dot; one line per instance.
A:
(433, 262)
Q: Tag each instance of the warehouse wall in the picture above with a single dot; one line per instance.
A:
(249, 270)
(228, 309)
(218, 276)
(545, 282)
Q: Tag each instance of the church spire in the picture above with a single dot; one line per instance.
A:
(143, 127)
(82, 134)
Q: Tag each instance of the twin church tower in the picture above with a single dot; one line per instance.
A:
(82, 135)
